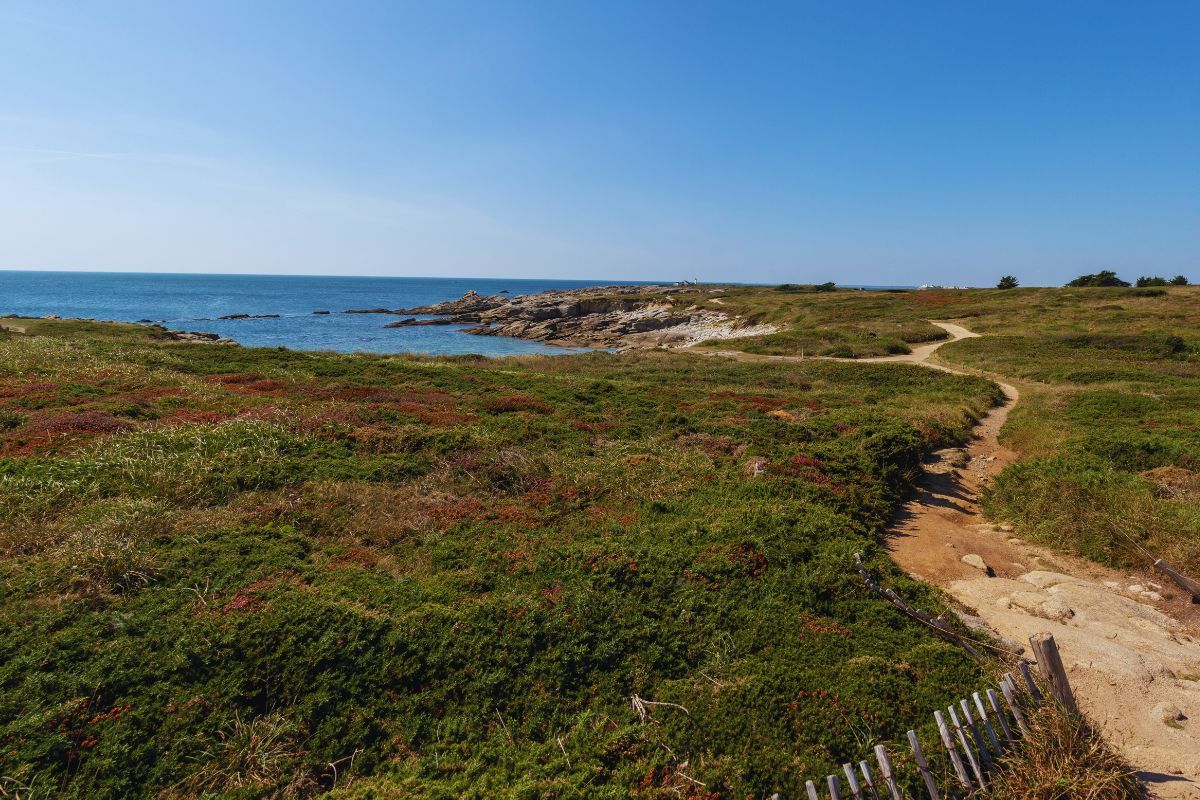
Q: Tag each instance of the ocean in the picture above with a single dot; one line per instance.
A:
(193, 303)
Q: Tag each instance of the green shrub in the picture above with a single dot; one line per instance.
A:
(1085, 505)
(454, 585)
(1103, 278)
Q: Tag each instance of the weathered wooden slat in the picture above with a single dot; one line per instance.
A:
(998, 710)
(835, 787)
(867, 780)
(1021, 696)
(915, 613)
(976, 769)
(987, 723)
(923, 768)
(1009, 690)
(1051, 666)
(948, 743)
(812, 791)
(1187, 584)
(852, 781)
(1030, 683)
(885, 769)
(985, 756)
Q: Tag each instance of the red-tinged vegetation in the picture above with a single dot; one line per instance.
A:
(187, 416)
(250, 383)
(750, 402)
(448, 576)
(822, 626)
(47, 430)
(517, 402)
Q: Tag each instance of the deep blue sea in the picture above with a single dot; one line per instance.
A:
(193, 302)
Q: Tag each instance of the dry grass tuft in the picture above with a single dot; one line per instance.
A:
(1064, 758)
(261, 756)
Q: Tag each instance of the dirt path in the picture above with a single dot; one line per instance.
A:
(1126, 641)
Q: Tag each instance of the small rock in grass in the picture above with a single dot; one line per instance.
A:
(976, 561)
(1154, 587)
(1113, 585)
(1155, 596)
(1015, 540)
(1006, 528)
(1136, 588)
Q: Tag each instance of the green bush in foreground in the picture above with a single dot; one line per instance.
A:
(1084, 504)
(251, 573)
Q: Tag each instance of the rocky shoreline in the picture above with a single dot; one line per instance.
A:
(620, 317)
(617, 317)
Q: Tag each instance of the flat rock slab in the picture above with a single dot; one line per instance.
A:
(1126, 659)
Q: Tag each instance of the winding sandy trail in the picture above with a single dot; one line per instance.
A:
(1126, 652)
(1130, 655)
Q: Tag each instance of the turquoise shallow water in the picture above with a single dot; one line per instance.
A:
(193, 302)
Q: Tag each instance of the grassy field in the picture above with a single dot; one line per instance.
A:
(843, 324)
(1109, 422)
(261, 573)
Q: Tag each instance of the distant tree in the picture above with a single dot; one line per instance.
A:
(1103, 278)
(828, 286)
(1008, 282)
(1144, 281)
(1179, 280)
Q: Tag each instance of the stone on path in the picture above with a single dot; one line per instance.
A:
(976, 561)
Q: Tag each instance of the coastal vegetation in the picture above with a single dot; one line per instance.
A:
(1104, 277)
(1109, 422)
(250, 572)
(254, 572)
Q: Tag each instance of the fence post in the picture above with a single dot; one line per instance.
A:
(1009, 689)
(1051, 666)
(966, 746)
(1186, 583)
(987, 723)
(922, 767)
(985, 755)
(885, 767)
(948, 743)
(868, 781)
(1034, 691)
(994, 702)
(852, 779)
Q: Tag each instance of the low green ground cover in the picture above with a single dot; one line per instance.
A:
(1112, 428)
(843, 324)
(253, 573)
(1109, 421)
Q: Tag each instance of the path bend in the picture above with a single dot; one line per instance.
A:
(1125, 651)
(1130, 655)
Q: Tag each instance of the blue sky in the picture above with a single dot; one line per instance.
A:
(862, 142)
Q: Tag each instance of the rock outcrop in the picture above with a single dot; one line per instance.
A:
(193, 337)
(598, 316)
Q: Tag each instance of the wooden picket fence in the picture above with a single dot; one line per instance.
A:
(973, 735)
